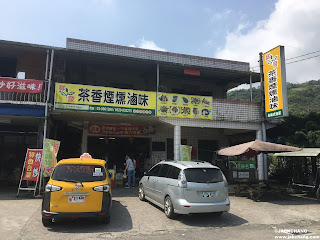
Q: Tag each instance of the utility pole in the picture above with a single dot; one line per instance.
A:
(250, 88)
(263, 117)
(46, 119)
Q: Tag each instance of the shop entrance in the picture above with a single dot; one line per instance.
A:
(116, 148)
(13, 148)
(206, 149)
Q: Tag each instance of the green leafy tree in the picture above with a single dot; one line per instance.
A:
(301, 131)
(314, 138)
(303, 98)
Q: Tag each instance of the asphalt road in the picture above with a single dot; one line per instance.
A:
(132, 219)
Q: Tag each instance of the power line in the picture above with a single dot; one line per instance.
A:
(303, 55)
(297, 57)
(303, 59)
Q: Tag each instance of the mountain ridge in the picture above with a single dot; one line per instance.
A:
(303, 98)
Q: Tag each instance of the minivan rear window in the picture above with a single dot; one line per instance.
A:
(203, 175)
(79, 172)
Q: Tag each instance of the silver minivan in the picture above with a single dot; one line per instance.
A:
(185, 187)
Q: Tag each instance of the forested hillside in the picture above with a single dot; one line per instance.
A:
(302, 127)
(303, 98)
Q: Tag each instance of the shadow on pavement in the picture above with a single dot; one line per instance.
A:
(284, 198)
(10, 193)
(125, 192)
(206, 219)
(292, 199)
(281, 197)
(120, 221)
(211, 220)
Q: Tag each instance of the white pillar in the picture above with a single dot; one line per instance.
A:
(260, 158)
(84, 145)
(177, 142)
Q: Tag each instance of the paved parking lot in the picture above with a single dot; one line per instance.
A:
(132, 219)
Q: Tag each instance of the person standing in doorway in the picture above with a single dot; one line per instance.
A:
(130, 168)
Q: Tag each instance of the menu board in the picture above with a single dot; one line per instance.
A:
(184, 106)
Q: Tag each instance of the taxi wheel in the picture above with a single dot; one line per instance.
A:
(168, 208)
(46, 222)
(141, 193)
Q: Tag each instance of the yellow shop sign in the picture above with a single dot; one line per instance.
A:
(184, 106)
(104, 99)
(275, 88)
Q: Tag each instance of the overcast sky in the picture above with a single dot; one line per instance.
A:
(230, 29)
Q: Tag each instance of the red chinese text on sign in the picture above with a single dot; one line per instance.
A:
(116, 130)
(20, 85)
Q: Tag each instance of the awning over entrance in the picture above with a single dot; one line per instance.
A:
(256, 147)
(306, 152)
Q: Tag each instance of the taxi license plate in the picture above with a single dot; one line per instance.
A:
(76, 199)
(207, 194)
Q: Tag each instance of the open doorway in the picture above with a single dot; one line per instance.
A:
(206, 149)
(116, 148)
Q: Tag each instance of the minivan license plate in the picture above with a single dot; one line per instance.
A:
(207, 194)
(76, 199)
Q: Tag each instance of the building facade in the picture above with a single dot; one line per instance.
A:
(112, 100)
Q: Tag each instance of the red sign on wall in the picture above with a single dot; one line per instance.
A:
(192, 71)
(115, 130)
(32, 165)
(20, 85)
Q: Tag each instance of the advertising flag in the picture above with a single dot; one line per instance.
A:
(32, 165)
(51, 148)
(186, 152)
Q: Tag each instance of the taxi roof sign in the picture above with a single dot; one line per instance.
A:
(85, 155)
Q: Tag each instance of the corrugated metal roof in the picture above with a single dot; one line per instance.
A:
(306, 152)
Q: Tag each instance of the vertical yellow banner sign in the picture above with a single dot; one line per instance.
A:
(50, 152)
(185, 151)
(275, 87)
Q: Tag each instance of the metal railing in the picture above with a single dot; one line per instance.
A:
(238, 111)
(25, 98)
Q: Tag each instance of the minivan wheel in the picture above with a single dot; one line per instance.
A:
(168, 208)
(142, 196)
(46, 222)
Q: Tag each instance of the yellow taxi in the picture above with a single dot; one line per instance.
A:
(78, 187)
